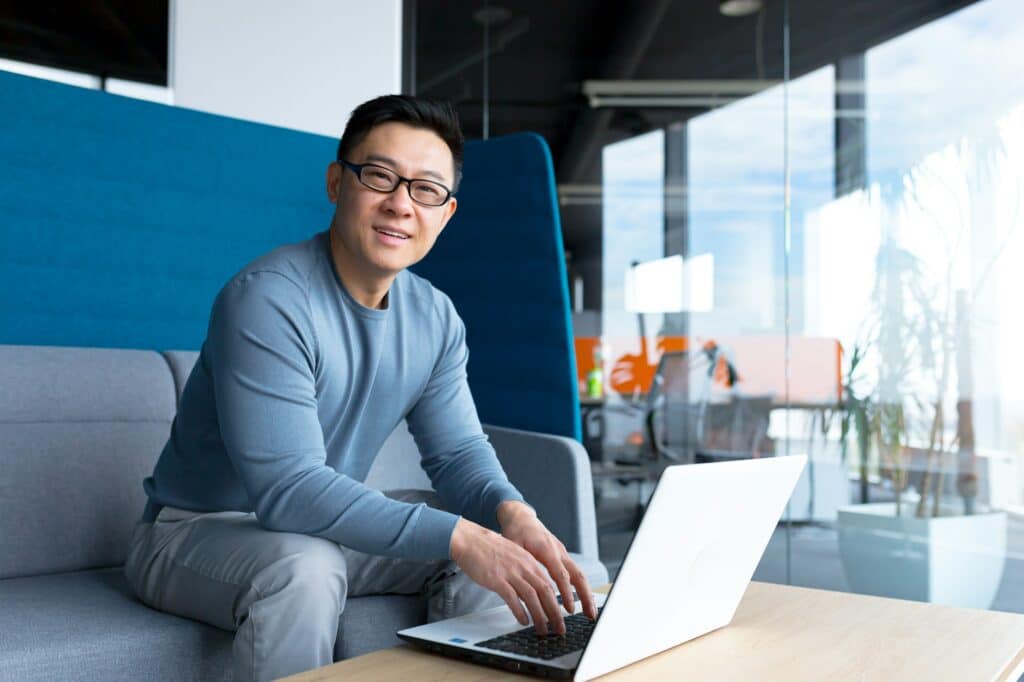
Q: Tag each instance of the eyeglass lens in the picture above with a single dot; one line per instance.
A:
(385, 180)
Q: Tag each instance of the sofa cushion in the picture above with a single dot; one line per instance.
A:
(89, 626)
(80, 428)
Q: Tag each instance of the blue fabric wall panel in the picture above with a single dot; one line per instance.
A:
(120, 220)
(501, 261)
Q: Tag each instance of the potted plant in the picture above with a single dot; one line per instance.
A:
(919, 545)
(908, 402)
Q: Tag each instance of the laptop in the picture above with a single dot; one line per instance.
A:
(684, 574)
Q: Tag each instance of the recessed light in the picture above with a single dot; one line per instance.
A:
(491, 15)
(739, 8)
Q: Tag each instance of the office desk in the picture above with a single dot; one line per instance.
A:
(780, 633)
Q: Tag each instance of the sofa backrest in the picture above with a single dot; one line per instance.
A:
(79, 430)
(181, 363)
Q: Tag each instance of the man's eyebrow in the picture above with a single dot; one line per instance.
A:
(391, 162)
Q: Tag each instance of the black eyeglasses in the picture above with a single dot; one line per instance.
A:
(382, 179)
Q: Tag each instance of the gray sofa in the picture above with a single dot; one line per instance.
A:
(79, 430)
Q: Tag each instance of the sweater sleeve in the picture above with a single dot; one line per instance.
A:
(456, 454)
(263, 358)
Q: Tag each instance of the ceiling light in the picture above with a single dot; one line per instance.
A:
(739, 8)
(491, 15)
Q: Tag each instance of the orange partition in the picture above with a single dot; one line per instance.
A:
(815, 375)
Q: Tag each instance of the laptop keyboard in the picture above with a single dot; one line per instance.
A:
(527, 642)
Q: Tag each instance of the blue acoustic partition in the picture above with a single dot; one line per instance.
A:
(501, 260)
(120, 219)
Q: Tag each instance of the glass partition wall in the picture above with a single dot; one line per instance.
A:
(910, 266)
(790, 228)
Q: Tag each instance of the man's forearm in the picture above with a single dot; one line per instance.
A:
(471, 482)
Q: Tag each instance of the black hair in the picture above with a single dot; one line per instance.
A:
(419, 112)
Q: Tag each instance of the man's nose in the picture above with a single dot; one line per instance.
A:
(399, 201)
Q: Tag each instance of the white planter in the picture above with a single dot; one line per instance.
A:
(822, 501)
(955, 560)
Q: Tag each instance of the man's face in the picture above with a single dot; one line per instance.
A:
(364, 216)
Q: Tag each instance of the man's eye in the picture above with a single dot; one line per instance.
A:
(378, 174)
(429, 190)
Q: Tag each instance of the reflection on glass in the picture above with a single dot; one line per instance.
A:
(916, 275)
(882, 339)
(671, 285)
(632, 218)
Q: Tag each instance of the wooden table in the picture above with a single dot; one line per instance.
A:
(780, 633)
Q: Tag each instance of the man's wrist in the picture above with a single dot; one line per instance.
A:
(510, 510)
(457, 541)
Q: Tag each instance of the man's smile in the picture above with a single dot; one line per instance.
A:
(391, 232)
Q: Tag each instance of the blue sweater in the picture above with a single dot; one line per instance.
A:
(296, 388)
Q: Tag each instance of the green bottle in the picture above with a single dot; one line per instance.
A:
(595, 377)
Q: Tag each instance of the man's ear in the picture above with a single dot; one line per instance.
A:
(334, 173)
(449, 212)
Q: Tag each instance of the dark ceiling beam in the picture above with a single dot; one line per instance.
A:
(624, 58)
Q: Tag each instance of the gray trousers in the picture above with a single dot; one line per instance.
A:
(281, 593)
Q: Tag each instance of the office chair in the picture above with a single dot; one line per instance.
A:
(684, 423)
(737, 429)
(677, 405)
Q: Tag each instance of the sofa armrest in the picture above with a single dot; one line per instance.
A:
(553, 474)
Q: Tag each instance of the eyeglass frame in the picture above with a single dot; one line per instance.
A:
(357, 168)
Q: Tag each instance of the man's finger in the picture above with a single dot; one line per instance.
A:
(587, 597)
(548, 601)
(554, 564)
(564, 582)
(508, 594)
(529, 596)
(579, 580)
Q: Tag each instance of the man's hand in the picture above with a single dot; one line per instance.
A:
(507, 569)
(519, 523)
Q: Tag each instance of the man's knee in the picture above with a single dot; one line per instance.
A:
(312, 570)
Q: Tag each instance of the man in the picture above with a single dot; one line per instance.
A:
(258, 520)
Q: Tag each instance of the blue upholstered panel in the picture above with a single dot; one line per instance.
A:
(501, 261)
(120, 219)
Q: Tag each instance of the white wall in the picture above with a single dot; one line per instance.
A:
(302, 65)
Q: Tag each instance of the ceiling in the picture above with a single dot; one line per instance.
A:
(112, 38)
(542, 51)
(539, 54)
